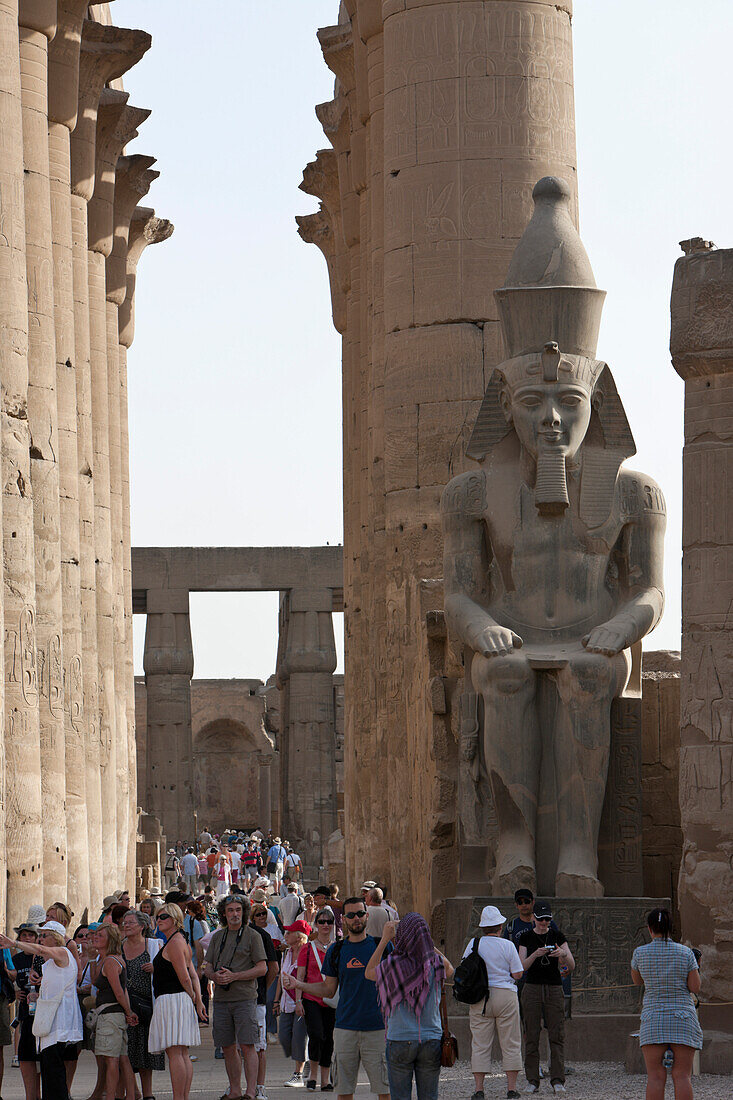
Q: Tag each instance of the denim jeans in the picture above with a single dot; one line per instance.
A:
(407, 1057)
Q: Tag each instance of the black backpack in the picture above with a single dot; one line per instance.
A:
(470, 981)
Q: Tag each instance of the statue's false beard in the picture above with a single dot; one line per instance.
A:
(551, 487)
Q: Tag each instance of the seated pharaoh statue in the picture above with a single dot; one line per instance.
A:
(553, 556)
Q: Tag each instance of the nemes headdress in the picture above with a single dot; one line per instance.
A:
(550, 310)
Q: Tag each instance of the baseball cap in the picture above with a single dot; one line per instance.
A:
(523, 894)
(299, 926)
(542, 909)
(368, 885)
(490, 917)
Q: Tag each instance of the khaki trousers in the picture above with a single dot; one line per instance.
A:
(538, 1002)
(501, 1016)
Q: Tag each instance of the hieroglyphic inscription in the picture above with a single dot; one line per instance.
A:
(619, 847)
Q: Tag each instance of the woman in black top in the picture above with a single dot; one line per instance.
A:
(174, 1026)
(110, 978)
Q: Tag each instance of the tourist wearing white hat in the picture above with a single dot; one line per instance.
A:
(57, 1024)
(500, 1011)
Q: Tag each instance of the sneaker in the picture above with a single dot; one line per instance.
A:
(294, 1082)
(311, 1085)
(193, 1057)
(558, 1088)
(15, 1063)
(327, 1088)
(478, 1095)
(260, 1093)
(218, 1052)
(512, 1095)
(532, 1088)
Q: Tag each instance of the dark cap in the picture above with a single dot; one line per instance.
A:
(542, 909)
(524, 894)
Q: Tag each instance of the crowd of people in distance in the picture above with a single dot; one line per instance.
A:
(342, 985)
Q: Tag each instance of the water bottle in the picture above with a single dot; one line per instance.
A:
(668, 1058)
(31, 1008)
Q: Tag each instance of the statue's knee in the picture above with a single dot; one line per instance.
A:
(588, 674)
(505, 675)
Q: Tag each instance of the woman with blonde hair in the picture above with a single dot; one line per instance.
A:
(114, 1012)
(58, 1022)
(174, 1024)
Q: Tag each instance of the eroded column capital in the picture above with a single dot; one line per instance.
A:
(63, 63)
(337, 46)
(106, 54)
(117, 124)
(133, 181)
(145, 229)
(701, 340)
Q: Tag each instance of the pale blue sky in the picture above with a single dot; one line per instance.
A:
(235, 390)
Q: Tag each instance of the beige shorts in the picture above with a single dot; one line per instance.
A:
(110, 1036)
(353, 1047)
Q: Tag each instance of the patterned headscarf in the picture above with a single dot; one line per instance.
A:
(406, 974)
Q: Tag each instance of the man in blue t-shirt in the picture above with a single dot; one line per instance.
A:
(275, 863)
(358, 1037)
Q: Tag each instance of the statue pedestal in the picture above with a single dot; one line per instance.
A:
(602, 934)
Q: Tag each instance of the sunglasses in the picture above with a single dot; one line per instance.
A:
(324, 922)
(351, 916)
(543, 920)
(164, 916)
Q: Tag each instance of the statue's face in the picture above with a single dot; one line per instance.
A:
(549, 416)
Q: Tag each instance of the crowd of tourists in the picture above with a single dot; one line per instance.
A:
(342, 985)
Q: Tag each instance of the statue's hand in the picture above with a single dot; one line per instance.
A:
(608, 639)
(497, 641)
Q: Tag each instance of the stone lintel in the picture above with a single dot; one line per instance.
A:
(701, 339)
(133, 181)
(239, 568)
(63, 63)
(106, 54)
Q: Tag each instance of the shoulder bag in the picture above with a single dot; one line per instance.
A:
(45, 1014)
(332, 1002)
(448, 1042)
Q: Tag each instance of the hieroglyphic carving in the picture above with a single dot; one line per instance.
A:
(75, 692)
(602, 934)
(22, 667)
(619, 847)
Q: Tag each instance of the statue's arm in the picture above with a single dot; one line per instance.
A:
(642, 544)
(465, 559)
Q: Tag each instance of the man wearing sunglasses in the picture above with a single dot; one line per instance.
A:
(543, 950)
(358, 1037)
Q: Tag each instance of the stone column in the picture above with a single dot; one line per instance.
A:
(702, 354)
(20, 765)
(168, 664)
(107, 53)
(37, 25)
(264, 809)
(117, 124)
(133, 179)
(309, 806)
(63, 96)
(144, 229)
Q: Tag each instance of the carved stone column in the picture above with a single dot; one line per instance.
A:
(310, 804)
(133, 179)
(63, 96)
(37, 25)
(168, 664)
(20, 766)
(702, 354)
(144, 229)
(117, 124)
(107, 53)
(264, 809)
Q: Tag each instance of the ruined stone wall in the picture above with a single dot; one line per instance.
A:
(444, 118)
(67, 196)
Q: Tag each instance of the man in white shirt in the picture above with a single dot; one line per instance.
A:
(190, 870)
(290, 906)
(236, 861)
(377, 915)
(293, 866)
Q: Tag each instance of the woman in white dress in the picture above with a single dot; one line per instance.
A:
(174, 1026)
(223, 874)
(56, 1003)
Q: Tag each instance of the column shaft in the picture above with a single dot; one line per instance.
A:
(20, 767)
(43, 425)
(264, 815)
(168, 663)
